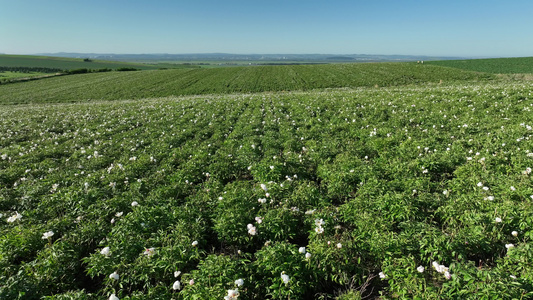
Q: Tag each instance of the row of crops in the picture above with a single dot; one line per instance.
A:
(402, 192)
(164, 83)
(511, 65)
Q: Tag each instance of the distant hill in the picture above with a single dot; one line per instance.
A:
(252, 57)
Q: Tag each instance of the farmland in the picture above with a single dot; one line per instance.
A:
(163, 83)
(511, 65)
(19, 66)
(289, 182)
(65, 63)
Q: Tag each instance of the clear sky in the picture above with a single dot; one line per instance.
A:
(409, 27)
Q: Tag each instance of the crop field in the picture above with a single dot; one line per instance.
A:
(64, 63)
(511, 65)
(419, 191)
(11, 74)
(163, 83)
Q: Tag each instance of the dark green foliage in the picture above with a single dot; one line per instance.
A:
(126, 69)
(78, 71)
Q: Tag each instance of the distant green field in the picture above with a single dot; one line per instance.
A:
(162, 83)
(515, 65)
(75, 63)
(8, 74)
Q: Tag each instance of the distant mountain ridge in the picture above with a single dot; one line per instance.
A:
(250, 57)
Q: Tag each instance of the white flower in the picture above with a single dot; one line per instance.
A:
(319, 222)
(443, 269)
(307, 255)
(435, 265)
(514, 233)
(382, 275)
(509, 246)
(262, 200)
(479, 184)
(439, 268)
(149, 251)
(301, 250)
(264, 187)
(105, 251)
(113, 297)
(271, 167)
(485, 188)
(447, 275)
(14, 217)
(134, 203)
(194, 243)
(47, 234)
(259, 220)
(251, 229)
(177, 285)
(490, 198)
(285, 277)
(512, 276)
(420, 269)
(239, 282)
(119, 214)
(513, 188)
(498, 220)
(339, 245)
(319, 230)
(177, 273)
(445, 192)
(233, 294)
(191, 282)
(114, 276)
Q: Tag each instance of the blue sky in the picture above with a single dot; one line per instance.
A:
(409, 27)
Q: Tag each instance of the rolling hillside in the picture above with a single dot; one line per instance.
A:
(162, 83)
